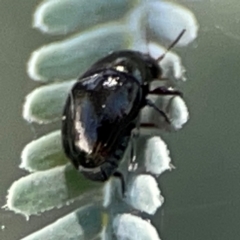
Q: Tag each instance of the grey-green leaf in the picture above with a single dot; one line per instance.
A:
(45, 104)
(130, 227)
(48, 189)
(166, 20)
(69, 58)
(43, 153)
(84, 223)
(61, 17)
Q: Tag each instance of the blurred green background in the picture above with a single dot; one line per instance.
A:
(202, 196)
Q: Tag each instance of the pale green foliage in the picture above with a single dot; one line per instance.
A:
(104, 26)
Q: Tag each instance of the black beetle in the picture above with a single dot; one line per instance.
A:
(103, 108)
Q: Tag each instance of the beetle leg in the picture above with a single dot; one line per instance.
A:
(148, 125)
(135, 135)
(166, 91)
(133, 150)
(151, 104)
(132, 166)
(120, 176)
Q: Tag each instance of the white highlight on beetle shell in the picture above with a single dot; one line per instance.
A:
(85, 124)
(111, 82)
(129, 227)
(82, 141)
(157, 159)
(120, 68)
(143, 194)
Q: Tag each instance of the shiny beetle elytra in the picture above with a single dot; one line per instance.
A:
(103, 108)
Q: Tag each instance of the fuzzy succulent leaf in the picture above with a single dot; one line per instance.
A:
(137, 25)
(44, 190)
(83, 223)
(43, 153)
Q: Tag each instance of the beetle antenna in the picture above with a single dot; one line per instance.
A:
(171, 45)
